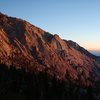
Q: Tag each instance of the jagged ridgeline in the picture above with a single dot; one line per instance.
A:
(26, 47)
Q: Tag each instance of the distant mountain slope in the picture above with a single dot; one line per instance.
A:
(95, 52)
(82, 50)
(28, 47)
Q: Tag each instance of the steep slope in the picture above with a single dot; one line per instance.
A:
(81, 49)
(31, 48)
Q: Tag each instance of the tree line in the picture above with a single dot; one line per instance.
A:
(20, 85)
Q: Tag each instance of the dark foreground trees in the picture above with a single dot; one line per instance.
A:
(21, 85)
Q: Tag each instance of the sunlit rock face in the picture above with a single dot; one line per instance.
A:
(31, 48)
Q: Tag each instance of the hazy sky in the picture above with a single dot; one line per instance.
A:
(77, 20)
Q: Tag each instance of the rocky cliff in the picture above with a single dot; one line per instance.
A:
(28, 47)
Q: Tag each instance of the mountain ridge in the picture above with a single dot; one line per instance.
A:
(31, 48)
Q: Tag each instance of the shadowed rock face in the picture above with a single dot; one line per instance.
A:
(31, 48)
